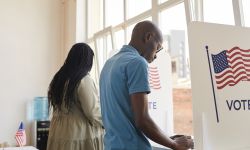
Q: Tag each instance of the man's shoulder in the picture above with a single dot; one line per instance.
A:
(138, 60)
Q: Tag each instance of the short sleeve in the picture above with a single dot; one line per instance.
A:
(137, 76)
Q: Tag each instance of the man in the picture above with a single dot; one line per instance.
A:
(123, 92)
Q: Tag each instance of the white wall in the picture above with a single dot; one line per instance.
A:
(69, 24)
(31, 43)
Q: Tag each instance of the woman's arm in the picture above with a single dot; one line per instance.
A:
(88, 96)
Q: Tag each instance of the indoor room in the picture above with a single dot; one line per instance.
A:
(198, 79)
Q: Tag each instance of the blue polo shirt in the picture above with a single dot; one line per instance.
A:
(122, 75)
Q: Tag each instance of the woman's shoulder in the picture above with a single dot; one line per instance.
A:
(87, 78)
(87, 81)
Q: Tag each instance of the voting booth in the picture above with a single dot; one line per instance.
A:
(160, 100)
(220, 76)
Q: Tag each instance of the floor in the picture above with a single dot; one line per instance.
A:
(183, 120)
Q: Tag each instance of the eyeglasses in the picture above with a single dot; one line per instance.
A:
(156, 40)
(159, 49)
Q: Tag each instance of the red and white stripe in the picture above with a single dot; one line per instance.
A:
(21, 137)
(239, 70)
(154, 78)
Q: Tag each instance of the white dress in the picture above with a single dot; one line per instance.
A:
(82, 128)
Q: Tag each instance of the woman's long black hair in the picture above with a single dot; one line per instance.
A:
(62, 89)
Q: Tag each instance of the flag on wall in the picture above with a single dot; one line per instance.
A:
(154, 78)
(21, 135)
(231, 67)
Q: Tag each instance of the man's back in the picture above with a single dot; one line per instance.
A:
(122, 75)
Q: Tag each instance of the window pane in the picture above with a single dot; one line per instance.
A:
(109, 46)
(95, 14)
(168, 19)
(104, 47)
(93, 73)
(218, 11)
(100, 51)
(175, 41)
(246, 10)
(114, 15)
(119, 38)
(136, 7)
(162, 1)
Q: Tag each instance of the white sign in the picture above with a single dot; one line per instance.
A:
(160, 100)
(220, 75)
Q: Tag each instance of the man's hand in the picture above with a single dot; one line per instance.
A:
(183, 142)
(175, 136)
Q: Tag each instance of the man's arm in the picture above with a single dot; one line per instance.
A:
(143, 121)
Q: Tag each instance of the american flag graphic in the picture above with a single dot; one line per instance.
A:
(231, 67)
(21, 135)
(154, 78)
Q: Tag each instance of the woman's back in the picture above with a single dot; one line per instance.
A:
(76, 123)
(81, 128)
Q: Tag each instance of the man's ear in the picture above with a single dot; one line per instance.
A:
(147, 36)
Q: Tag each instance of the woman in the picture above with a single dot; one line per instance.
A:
(76, 123)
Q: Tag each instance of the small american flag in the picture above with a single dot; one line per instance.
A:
(231, 67)
(20, 135)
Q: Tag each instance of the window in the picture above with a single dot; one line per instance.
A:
(100, 52)
(109, 46)
(119, 38)
(129, 31)
(162, 1)
(104, 47)
(246, 11)
(135, 7)
(93, 69)
(94, 17)
(176, 38)
(114, 15)
(218, 11)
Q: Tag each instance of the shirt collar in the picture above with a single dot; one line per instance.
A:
(130, 49)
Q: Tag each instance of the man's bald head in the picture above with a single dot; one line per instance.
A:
(144, 27)
(146, 39)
